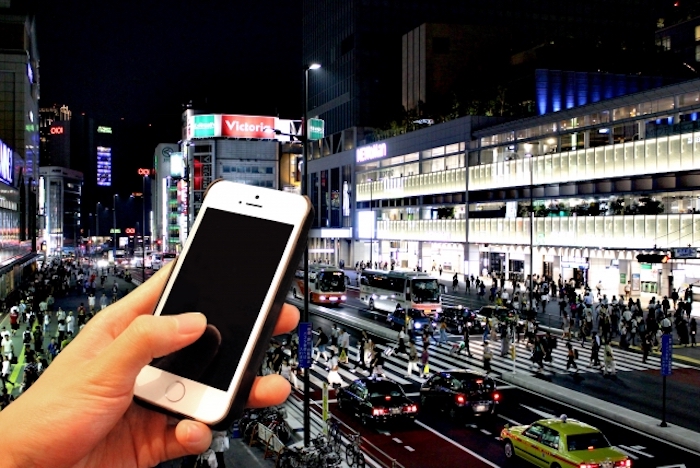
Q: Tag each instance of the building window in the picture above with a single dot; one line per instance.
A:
(664, 42)
(697, 53)
(697, 33)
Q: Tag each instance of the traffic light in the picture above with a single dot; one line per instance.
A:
(652, 258)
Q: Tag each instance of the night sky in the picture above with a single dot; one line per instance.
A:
(141, 60)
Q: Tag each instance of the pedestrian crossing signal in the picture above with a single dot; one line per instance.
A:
(652, 258)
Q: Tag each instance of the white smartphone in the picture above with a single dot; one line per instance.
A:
(236, 268)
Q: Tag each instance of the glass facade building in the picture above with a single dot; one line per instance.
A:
(577, 193)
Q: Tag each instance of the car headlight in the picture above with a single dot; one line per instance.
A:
(322, 298)
(343, 298)
(417, 325)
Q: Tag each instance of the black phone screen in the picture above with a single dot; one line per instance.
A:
(225, 275)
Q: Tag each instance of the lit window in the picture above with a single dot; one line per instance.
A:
(664, 42)
(697, 33)
(697, 53)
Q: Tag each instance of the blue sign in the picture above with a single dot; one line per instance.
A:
(306, 343)
(666, 354)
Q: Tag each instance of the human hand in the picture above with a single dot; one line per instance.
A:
(81, 410)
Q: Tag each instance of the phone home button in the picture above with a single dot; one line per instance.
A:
(175, 391)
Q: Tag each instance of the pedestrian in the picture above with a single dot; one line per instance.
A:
(47, 322)
(219, 444)
(320, 346)
(91, 302)
(334, 378)
(466, 339)
(7, 347)
(360, 362)
(693, 331)
(376, 364)
(103, 302)
(335, 332)
(70, 323)
(343, 345)
(487, 356)
(443, 333)
(595, 349)
(538, 353)
(609, 360)
(412, 359)
(424, 360)
(571, 355)
(401, 349)
(647, 344)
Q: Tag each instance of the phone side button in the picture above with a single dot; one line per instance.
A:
(175, 392)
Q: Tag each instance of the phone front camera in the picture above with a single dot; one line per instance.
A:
(257, 196)
(240, 201)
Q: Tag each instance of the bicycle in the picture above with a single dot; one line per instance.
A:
(353, 453)
(334, 435)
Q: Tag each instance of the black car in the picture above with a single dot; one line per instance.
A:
(461, 393)
(457, 316)
(376, 400)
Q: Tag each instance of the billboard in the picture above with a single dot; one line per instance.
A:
(6, 165)
(104, 166)
(248, 126)
(177, 165)
(241, 126)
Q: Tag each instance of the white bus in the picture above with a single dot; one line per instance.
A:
(385, 290)
(327, 284)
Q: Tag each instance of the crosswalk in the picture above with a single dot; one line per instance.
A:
(442, 358)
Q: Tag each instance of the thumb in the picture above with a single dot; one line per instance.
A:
(149, 337)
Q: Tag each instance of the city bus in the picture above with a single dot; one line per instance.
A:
(385, 290)
(327, 284)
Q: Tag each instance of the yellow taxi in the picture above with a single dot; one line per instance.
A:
(562, 443)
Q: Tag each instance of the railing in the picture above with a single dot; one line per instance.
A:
(623, 232)
(449, 181)
(651, 156)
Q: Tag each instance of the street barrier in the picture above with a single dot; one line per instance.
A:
(273, 446)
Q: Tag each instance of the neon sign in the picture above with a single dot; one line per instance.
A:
(56, 131)
(371, 152)
(104, 166)
(130, 231)
(144, 172)
(103, 129)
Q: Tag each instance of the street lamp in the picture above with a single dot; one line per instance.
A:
(305, 191)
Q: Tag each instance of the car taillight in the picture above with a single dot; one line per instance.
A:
(623, 463)
(496, 396)
(410, 409)
(588, 465)
(378, 411)
(460, 399)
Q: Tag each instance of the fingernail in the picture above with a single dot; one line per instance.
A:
(196, 433)
(193, 322)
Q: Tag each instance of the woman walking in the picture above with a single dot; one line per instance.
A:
(609, 360)
(443, 333)
(401, 349)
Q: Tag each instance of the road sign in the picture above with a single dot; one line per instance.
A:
(316, 129)
(684, 252)
(666, 354)
(305, 344)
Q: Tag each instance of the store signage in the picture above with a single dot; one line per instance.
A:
(316, 129)
(684, 252)
(144, 172)
(666, 354)
(6, 163)
(203, 126)
(248, 126)
(177, 165)
(104, 166)
(371, 152)
(103, 129)
(130, 231)
(30, 73)
(56, 131)
(115, 231)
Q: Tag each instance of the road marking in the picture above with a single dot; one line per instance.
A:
(512, 421)
(397, 440)
(631, 455)
(484, 431)
(471, 426)
(413, 394)
(461, 447)
(681, 465)
(383, 432)
(544, 414)
(637, 449)
(409, 448)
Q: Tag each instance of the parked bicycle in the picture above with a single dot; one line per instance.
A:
(353, 453)
(320, 455)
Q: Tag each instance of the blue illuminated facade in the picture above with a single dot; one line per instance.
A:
(557, 90)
